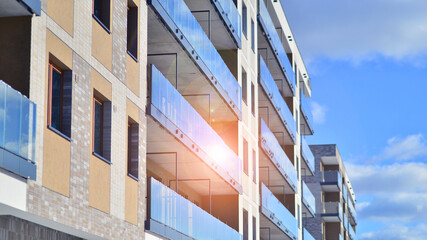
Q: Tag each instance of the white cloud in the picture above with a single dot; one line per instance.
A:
(397, 191)
(398, 232)
(411, 147)
(319, 112)
(359, 30)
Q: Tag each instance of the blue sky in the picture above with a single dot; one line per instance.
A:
(367, 60)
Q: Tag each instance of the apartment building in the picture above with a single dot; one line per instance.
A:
(156, 119)
(334, 194)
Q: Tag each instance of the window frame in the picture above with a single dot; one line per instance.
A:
(129, 8)
(253, 35)
(95, 100)
(253, 102)
(245, 157)
(245, 20)
(244, 86)
(53, 67)
(101, 18)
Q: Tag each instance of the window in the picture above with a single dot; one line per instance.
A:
(133, 136)
(132, 34)
(254, 165)
(253, 35)
(101, 12)
(297, 118)
(253, 98)
(245, 225)
(245, 157)
(101, 128)
(244, 19)
(253, 228)
(244, 86)
(59, 100)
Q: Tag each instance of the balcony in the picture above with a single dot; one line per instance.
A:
(344, 193)
(309, 206)
(16, 8)
(332, 212)
(172, 216)
(178, 45)
(175, 127)
(276, 217)
(271, 48)
(17, 132)
(307, 235)
(273, 108)
(345, 221)
(352, 234)
(276, 162)
(308, 157)
(353, 214)
(331, 181)
(306, 118)
(223, 17)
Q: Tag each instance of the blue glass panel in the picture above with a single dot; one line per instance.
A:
(271, 203)
(193, 32)
(176, 212)
(308, 197)
(276, 43)
(231, 12)
(25, 127)
(307, 235)
(170, 102)
(2, 112)
(13, 121)
(277, 153)
(308, 155)
(270, 87)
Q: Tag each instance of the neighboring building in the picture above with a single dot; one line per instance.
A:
(335, 199)
(179, 119)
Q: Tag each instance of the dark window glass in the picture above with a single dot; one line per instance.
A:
(254, 165)
(254, 228)
(245, 225)
(97, 138)
(244, 86)
(133, 149)
(101, 11)
(132, 34)
(252, 35)
(244, 19)
(253, 98)
(245, 157)
(56, 101)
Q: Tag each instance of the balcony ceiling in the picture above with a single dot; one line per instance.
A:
(192, 83)
(189, 165)
(13, 8)
(219, 34)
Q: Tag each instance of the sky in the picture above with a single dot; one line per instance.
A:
(367, 60)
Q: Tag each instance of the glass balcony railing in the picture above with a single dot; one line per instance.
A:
(344, 193)
(275, 152)
(307, 235)
(340, 237)
(308, 198)
(306, 112)
(333, 209)
(199, 46)
(229, 11)
(172, 106)
(352, 234)
(174, 211)
(16, 8)
(273, 93)
(17, 132)
(308, 155)
(276, 44)
(345, 221)
(352, 211)
(273, 208)
(332, 177)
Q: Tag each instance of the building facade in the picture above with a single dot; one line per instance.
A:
(334, 194)
(153, 119)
